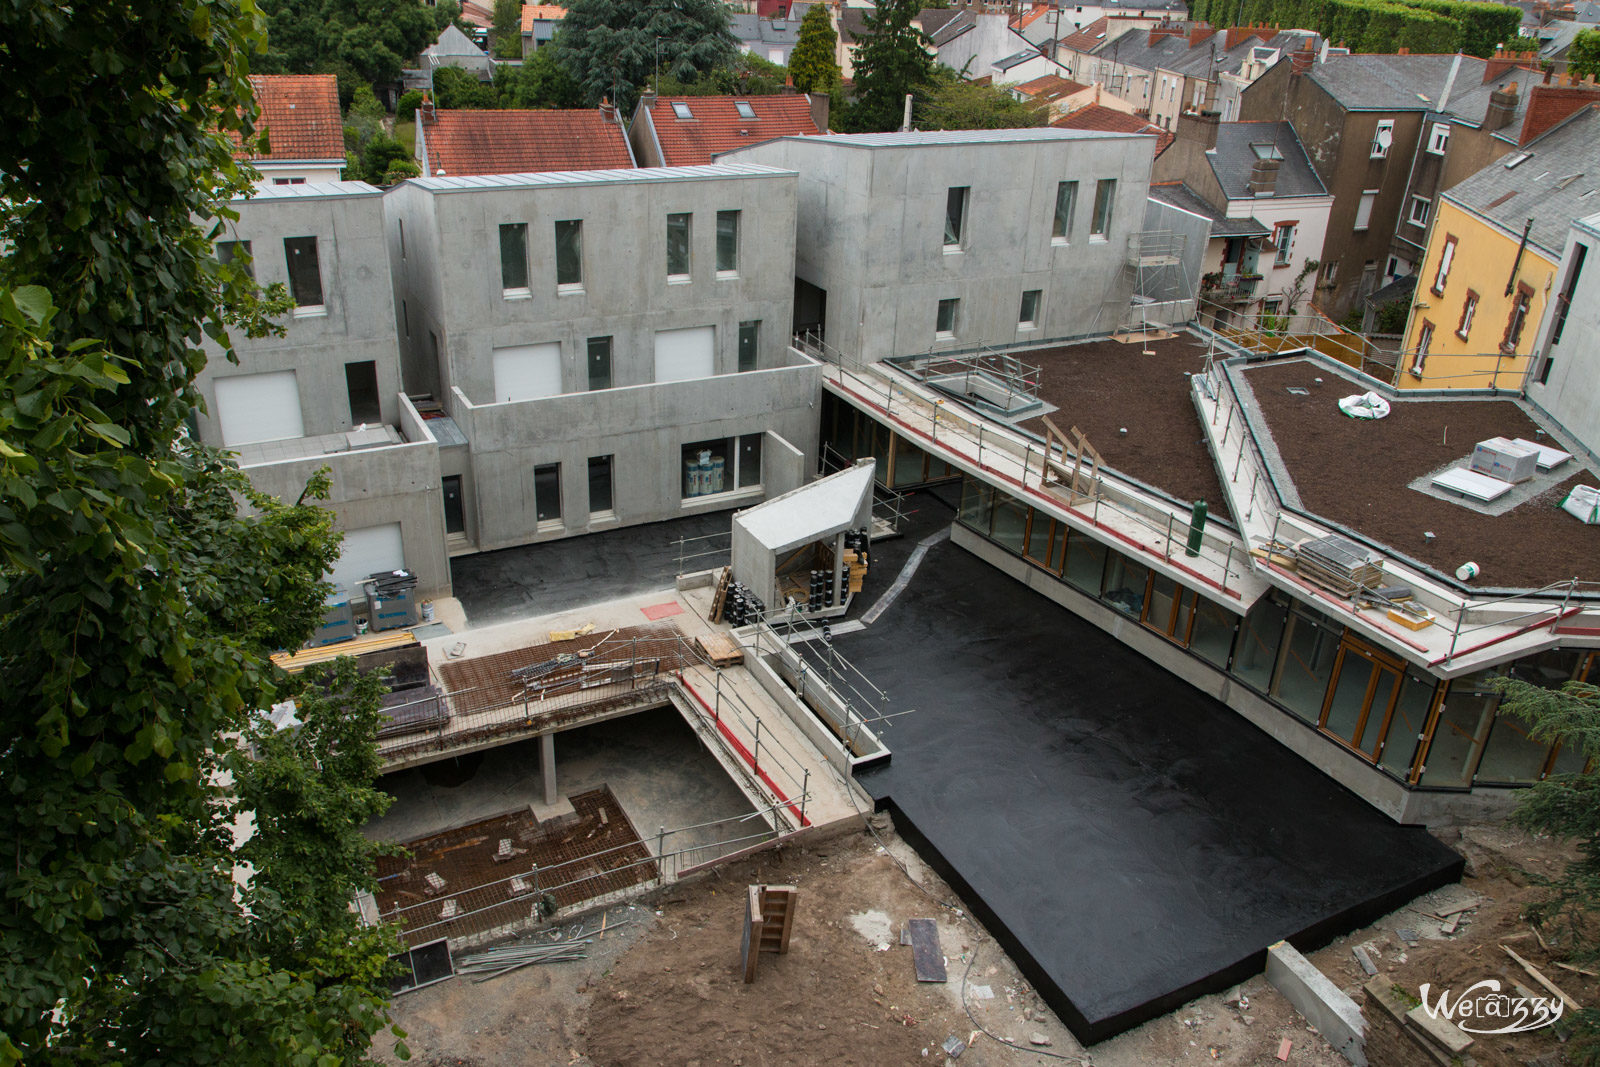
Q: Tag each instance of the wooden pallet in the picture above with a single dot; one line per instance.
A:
(768, 922)
(720, 649)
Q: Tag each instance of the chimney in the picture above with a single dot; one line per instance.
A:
(608, 113)
(426, 110)
(1198, 128)
(1200, 34)
(1264, 177)
(1502, 107)
(1302, 60)
(819, 110)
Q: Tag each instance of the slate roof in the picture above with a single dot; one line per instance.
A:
(514, 142)
(1180, 195)
(1110, 120)
(1198, 60)
(300, 114)
(452, 42)
(1469, 97)
(1016, 59)
(1234, 158)
(1554, 184)
(1366, 82)
(752, 29)
(716, 125)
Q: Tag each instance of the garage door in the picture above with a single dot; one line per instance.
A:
(524, 372)
(367, 551)
(685, 354)
(258, 407)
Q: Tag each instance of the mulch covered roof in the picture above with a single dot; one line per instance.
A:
(1357, 473)
(300, 114)
(715, 124)
(467, 142)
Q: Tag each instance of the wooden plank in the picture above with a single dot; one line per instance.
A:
(926, 956)
(295, 662)
(781, 902)
(750, 938)
(1533, 972)
(720, 649)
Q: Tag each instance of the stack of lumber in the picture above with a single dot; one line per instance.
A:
(1339, 565)
(720, 649)
(858, 569)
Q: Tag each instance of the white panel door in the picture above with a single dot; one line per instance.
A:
(367, 551)
(685, 354)
(524, 372)
(258, 407)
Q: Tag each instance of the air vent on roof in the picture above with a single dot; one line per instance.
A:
(1520, 157)
(1562, 183)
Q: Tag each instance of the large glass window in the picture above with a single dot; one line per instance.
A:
(1125, 584)
(944, 324)
(1066, 207)
(678, 244)
(1259, 638)
(305, 273)
(711, 467)
(514, 257)
(955, 215)
(569, 253)
(599, 363)
(547, 492)
(1212, 636)
(727, 242)
(1511, 755)
(1010, 523)
(1105, 195)
(599, 484)
(1410, 718)
(1464, 720)
(1310, 649)
(1086, 563)
(977, 502)
(1047, 542)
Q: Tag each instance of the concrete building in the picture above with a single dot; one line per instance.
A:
(985, 46)
(1566, 374)
(921, 241)
(327, 393)
(590, 334)
(302, 132)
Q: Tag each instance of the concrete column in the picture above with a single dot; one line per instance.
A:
(838, 568)
(547, 766)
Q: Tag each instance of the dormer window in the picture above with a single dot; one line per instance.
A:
(743, 108)
(681, 109)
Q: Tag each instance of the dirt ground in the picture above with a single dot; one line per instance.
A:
(666, 989)
(1357, 473)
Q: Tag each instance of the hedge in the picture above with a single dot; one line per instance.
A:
(1433, 26)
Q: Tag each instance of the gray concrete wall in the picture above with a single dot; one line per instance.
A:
(871, 233)
(1571, 390)
(419, 291)
(1179, 284)
(783, 466)
(357, 323)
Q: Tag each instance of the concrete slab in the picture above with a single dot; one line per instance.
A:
(1131, 842)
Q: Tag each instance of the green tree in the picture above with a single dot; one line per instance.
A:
(447, 13)
(456, 89)
(379, 155)
(811, 63)
(743, 74)
(1566, 806)
(369, 39)
(892, 60)
(505, 38)
(137, 606)
(950, 102)
(1583, 58)
(613, 47)
(405, 109)
(540, 82)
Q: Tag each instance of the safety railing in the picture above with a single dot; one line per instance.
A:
(821, 675)
(704, 552)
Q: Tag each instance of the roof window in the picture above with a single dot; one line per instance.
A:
(744, 109)
(681, 109)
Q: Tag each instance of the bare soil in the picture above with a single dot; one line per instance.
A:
(1135, 410)
(1357, 473)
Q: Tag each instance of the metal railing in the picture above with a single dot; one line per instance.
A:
(811, 663)
(706, 551)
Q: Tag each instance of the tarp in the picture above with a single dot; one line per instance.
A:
(1365, 406)
(1583, 504)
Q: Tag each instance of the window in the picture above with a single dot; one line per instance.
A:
(288, 181)
(744, 109)
(1445, 259)
(600, 485)
(361, 386)
(727, 243)
(1382, 139)
(749, 334)
(455, 515)
(402, 224)
(1330, 271)
(678, 245)
(1105, 192)
(514, 258)
(1424, 342)
(1420, 206)
(1364, 209)
(231, 251)
(1438, 137)
(945, 325)
(1283, 241)
(1391, 269)
(1028, 316)
(1469, 308)
(955, 216)
(721, 466)
(547, 493)
(599, 363)
(569, 255)
(1519, 319)
(1270, 309)
(681, 109)
(1580, 252)
(305, 274)
(1066, 207)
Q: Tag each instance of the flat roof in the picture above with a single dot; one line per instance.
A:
(704, 172)
(1357, 473)
(311, 191)
(918, 138)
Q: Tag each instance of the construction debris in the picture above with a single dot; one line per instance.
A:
(926, 956)
(1339, 565)
(1534, 973)
(572, 635)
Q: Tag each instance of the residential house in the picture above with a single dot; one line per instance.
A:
(1363, 119)
(587, 332)
(1060, 97)
(850, 24)
(688, 131)
(1565, 381)
(961, 239)
(1078, 51)
(327, 393)
(979, 45)
(302, 130)
(1270, 211)
(539, 22)
(1494, 250)
(770, 38)
(456, 49)
(461, 143)
(1112, 115)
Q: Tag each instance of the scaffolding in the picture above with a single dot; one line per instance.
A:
(1162, 293)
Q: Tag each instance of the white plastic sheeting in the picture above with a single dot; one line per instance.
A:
(1365, 406)
(1583, 504)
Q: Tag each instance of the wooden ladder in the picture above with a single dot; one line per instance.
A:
(768, 922)
(719, 600)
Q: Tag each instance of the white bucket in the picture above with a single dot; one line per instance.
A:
(1467, 571)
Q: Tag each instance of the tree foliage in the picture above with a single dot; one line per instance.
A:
(540, 82)
(137, 607)
(455, 89)
(612, 48)
(744, 74)
(505, 38)
(1566, 806)
(1583, 58)
(950, 102)
(369, 40)
(812, 63)
(893, 59)
(1472, 26)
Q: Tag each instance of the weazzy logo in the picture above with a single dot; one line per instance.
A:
(1483, 1009)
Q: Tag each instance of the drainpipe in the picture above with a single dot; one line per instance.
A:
(1511, 282)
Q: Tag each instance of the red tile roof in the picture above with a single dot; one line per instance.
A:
(469, 142)
(1050, 87)
(1549, 104)
(1027, 18)
(1087, 39)
(300, 114)
(1110, 120)
(716, 125)
(476, 14)
(532, 13)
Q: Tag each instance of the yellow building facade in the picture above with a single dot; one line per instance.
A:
(1481, 294)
